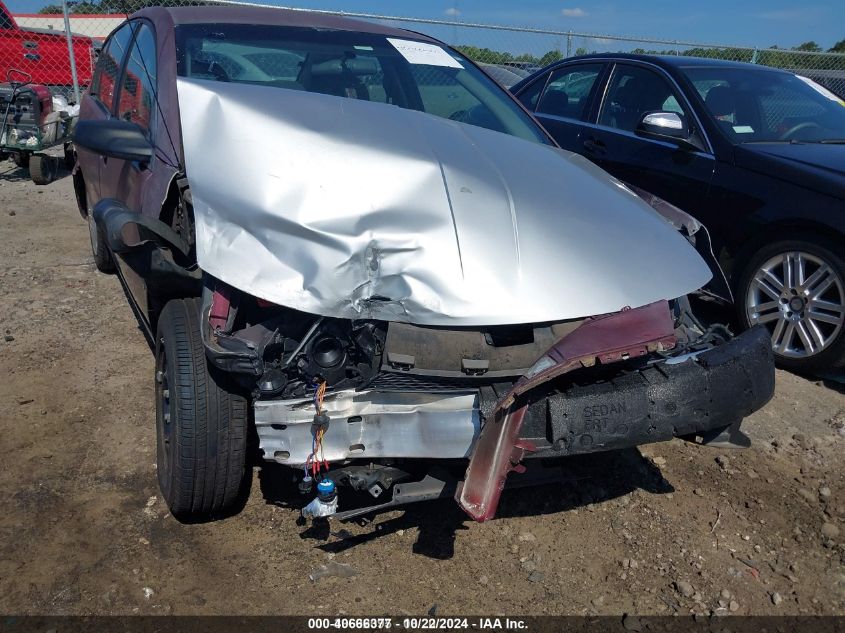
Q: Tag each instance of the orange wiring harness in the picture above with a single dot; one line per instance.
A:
(317, 464)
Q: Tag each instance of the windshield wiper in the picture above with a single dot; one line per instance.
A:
(833, 141)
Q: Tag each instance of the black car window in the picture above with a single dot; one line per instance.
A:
(111, 58)
(366, 66)
(136, 99)
(530, 95)
(632, 92)
(567, 93)
(759, 105)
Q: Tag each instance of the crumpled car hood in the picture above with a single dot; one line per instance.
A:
(354, 209)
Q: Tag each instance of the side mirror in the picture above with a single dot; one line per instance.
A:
(114, 138)
(665, 126)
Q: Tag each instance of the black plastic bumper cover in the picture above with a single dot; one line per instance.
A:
(713, 391)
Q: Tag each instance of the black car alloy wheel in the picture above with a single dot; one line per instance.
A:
(797, 290)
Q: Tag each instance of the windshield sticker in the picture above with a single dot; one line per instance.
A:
(743, 129)
(423, 53)
(821, 90)
(363, 48)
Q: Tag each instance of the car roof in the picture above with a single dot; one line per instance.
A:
(674, 61)
(275, 17)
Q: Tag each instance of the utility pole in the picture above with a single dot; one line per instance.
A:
(75, 80)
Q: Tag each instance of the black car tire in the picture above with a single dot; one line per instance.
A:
(201, 422)
(43, 168)
(99, 248)
(833, 354)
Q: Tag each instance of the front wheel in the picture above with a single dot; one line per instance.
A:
(201, 422)
(796, 288)
(99, 248)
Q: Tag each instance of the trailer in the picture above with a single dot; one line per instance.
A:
(34, 122)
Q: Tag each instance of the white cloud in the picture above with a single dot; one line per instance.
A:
(575, 12)
(453, 12)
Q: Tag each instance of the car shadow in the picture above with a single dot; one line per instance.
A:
(833, 379)
(584, 480)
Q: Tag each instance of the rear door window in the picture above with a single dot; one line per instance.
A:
(568, 91)
(136, 99)
(531, 94)
(104, 84)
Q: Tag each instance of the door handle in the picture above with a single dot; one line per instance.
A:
(594, 145)
(30, 44)
(32, 56)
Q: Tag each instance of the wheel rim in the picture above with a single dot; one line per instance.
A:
(164, 422)
(799, 297)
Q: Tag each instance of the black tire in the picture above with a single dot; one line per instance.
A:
(201, 423)
(832, 353)
(43, 168)
(99, 248)
(21, 159)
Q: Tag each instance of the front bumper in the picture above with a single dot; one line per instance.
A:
(680, 397)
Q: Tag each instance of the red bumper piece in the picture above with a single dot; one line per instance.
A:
(605, 339)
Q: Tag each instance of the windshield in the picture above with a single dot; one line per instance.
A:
(401, 72)
(759, 105)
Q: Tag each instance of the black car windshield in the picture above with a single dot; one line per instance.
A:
(759, 105)
(401, 72)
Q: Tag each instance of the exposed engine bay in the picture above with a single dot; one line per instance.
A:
(360, 402)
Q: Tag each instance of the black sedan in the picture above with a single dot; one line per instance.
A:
(756, 154)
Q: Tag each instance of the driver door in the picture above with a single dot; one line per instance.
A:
(679, 176)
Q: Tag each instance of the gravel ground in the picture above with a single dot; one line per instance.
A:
(670, 528)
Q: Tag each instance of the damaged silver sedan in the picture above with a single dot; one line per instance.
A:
(356, 254)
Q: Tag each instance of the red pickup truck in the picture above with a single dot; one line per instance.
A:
(42, 54)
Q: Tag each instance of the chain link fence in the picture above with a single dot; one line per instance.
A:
(508, 52)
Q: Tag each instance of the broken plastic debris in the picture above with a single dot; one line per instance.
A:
(333, 569)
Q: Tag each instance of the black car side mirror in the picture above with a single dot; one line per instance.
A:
(114, 138)
(665, 126)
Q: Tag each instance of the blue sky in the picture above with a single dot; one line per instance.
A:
(748, 22)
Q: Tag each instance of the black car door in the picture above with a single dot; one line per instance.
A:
(561, 98)
(679, 175)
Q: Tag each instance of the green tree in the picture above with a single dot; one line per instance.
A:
(839, 47)
(548, 58)
(810, 46)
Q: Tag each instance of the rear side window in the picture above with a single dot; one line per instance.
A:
(137, 93)
(531, 95)
(568, 92)
(111, 58)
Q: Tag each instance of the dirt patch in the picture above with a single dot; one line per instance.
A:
(83, 530)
